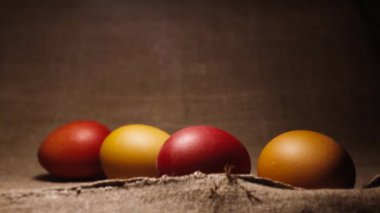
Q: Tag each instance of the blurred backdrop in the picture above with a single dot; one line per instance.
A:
(253, 68)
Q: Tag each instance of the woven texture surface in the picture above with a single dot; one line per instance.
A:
(253, 68)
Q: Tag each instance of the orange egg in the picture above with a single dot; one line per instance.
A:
(307, 159)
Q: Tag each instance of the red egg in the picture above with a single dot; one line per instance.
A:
(202, 148)
(72, 150)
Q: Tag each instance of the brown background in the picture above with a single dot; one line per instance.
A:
(253, 68)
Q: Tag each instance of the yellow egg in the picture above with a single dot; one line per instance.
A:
(307, 159)
(131, 151)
